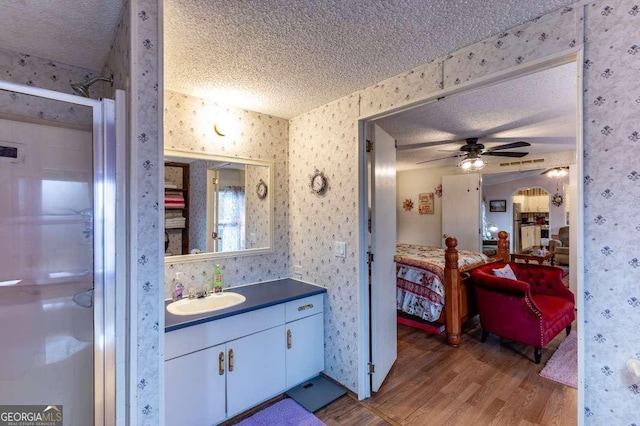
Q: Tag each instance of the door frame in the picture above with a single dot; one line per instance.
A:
(574, 55)
(105, 189)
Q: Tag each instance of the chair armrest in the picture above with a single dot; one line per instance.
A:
(499, 284)
(554, 244)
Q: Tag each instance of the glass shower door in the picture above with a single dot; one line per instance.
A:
(47, 255)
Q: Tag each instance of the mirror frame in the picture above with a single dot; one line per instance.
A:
(185, 258)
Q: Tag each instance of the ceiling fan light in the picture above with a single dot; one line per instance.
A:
(466, 164)
(472, 164)
(559, 172)
(479, 163)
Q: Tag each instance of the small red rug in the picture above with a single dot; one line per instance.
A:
(563, 365)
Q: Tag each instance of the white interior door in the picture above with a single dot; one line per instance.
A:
(461, 197)
(383, 246)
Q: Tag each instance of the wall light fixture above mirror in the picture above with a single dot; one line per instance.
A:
(217, 206)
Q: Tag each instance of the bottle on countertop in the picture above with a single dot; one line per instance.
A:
(178, 287)
(217, 280)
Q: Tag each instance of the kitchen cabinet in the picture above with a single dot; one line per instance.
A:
(540, 203)
(218, 369)
(535, 203)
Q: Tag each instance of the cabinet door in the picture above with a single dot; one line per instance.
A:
(305, 349)
(536, 235)
(257, 371)
(195, 389)
(527, 236)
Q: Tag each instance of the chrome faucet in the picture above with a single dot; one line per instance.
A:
(195, 294)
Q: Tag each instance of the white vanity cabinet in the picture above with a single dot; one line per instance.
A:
(255, 369)
(305, 339)
(195, 390)
(218, 369)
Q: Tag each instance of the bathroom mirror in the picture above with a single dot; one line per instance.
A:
(216, 206)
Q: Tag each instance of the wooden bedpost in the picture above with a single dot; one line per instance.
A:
(452, 292)
(503, 246)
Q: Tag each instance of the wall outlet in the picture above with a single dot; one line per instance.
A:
(297, 271)
(340, 249)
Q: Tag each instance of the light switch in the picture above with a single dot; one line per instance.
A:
(340, 249)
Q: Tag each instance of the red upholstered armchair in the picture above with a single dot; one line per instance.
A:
(532, 309)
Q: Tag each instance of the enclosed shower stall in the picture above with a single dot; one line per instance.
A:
(57, 212)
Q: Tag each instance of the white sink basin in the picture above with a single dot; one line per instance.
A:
(210, 303)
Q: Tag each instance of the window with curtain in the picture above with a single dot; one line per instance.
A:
(231, 227)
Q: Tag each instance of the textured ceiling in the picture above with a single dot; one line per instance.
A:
(539, 108)
(78, 32)
(287, 57)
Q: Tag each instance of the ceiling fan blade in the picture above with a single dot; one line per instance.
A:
(424, 145)
(438, 159)
(506, 154)
(518, 144)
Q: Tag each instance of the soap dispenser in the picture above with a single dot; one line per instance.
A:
(178, 287)
(217, 280)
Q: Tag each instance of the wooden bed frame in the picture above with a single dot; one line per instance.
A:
(459, 297)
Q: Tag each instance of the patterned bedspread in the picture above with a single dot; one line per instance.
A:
(420, 278)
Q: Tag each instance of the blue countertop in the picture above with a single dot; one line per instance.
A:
(258, 296)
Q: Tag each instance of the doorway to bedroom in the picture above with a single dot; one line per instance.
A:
(517, 125)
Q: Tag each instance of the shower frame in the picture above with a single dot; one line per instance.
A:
(105, 241)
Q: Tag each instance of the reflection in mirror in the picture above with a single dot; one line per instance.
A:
(215, 206)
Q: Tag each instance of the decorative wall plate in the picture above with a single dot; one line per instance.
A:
(262, 190)
(557, 199)
(318, 182)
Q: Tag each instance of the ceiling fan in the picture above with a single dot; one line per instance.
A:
(472, 150)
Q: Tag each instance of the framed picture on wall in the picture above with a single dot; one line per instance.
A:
(425, 203)
(498, 205)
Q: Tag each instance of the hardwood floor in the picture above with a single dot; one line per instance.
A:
(491, 383)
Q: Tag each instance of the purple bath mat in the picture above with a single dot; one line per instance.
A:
(563, 364)
(283, 413)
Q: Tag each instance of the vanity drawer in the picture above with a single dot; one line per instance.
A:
(305, 307)
(197, 337)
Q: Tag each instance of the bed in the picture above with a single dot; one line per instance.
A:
(432, 285)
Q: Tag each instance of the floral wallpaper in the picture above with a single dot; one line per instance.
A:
(257, 210)
(46, 74)
(146, 157)
(418, 82)
(325, 139)
(189, 125)
(611, 185)
(536, 39)
(612, 103)
(118, 61)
